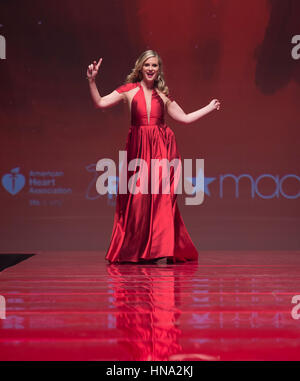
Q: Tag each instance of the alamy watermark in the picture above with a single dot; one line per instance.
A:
(295, 52)
(2, 48)
(2, 307)
(296, 310)
(141, 178)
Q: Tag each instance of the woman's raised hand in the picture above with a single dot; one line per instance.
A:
(215, 104)
(92, 69)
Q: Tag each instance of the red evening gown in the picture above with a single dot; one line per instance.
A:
(149, 226)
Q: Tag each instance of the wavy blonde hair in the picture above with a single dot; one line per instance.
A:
(136, 73)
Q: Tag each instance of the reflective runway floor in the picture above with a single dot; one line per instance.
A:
(232, 305)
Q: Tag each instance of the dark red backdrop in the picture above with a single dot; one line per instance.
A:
(236, 51)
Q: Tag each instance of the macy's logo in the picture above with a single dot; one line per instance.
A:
(14, 181)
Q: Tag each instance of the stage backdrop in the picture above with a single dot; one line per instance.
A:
(245, 53)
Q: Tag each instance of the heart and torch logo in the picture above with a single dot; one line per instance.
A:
(14, 181)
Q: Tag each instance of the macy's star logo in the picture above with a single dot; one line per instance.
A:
(196, 181)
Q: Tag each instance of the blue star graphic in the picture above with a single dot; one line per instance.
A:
(207, 181)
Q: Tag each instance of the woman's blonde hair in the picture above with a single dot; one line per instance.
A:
(136, 73)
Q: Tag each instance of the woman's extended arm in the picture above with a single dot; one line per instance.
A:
(176, 112)
(107, 100)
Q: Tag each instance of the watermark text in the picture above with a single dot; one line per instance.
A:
(2, 48)
(2, 307)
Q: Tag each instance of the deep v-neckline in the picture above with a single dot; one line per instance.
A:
(148, 115)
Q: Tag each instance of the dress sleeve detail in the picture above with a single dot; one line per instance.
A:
(126, 87)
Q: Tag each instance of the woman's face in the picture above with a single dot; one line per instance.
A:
(150, 69)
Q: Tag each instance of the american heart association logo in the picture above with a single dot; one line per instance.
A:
(13, 182)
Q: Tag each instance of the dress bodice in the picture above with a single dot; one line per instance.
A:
(139, 114)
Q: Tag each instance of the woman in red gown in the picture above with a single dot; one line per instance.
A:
(148, 226)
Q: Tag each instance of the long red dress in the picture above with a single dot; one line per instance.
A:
(149, 226)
